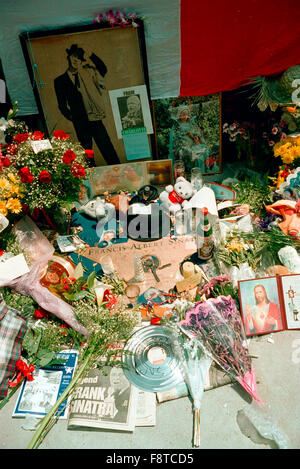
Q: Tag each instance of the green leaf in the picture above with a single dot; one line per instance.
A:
(91, 280)
(78, 272)
(31, 341)
(75, 296)
(45, 356)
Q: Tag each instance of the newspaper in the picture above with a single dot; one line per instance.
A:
(104, 399)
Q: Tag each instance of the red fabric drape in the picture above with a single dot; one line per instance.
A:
(224, 44)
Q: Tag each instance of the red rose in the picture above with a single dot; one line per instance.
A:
(78, 171)
(20, 138)
(25, 175)
(37, 135)
(45, 177)
(68, 157)
(60, 134)
(6, 162)
(89, 153)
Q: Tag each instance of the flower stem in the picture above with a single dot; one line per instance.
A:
(36, 440)
(10, 394)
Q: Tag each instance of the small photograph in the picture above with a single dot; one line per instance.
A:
(261, 310)
(131, 113)
(291, 297)
(131, 109)
(159, 172)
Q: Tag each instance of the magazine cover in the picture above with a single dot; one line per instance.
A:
(37, 397)
(104, 399)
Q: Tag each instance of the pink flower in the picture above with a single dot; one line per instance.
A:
(275, 130)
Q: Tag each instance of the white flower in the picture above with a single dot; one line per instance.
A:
(3, 124)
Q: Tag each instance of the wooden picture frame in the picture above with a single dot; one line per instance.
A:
(190, 129)
(110, 58)
(270, 304)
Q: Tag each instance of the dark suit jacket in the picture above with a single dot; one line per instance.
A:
(69, 99)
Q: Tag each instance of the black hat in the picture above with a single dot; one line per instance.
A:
(77, 51)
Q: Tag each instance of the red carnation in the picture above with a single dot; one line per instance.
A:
(109, 299)
(20, 138)
(6, 162)
(69, 157)
(25, 175)
(60, 134)
(45, 177)
(89, 153)
(37, 135)
(78, 171)
(40, 313)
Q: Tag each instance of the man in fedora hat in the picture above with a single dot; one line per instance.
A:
(79, 93)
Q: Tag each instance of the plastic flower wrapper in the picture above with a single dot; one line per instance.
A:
(217, 325)
(194, 365)
(256, 420)
(38, 251)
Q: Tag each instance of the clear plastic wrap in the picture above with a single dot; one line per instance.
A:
(217, 326)
(257, 421)
(38, 251)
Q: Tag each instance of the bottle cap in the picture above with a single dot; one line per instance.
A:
(205, 210)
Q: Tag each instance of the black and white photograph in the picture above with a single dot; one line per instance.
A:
(73, 70)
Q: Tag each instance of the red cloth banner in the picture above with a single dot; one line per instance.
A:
(226, 44)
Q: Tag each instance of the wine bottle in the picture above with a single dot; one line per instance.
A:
(205, 242)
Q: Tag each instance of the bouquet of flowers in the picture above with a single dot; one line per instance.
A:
(194, 362)
(51, 177)
(217, 325)
(288, 149)
(117, 18)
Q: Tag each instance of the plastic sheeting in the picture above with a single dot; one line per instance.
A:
(162, 36)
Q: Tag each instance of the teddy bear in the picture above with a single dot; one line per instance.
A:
(174, 197)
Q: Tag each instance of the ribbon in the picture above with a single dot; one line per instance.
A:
(36, 213)
(25, 371)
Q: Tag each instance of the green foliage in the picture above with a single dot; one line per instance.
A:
(255, 192)
(22, 303)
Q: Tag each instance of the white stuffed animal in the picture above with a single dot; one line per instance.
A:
(174, 198)
(99, 209)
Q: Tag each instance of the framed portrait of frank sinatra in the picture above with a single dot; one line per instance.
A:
(73, 71)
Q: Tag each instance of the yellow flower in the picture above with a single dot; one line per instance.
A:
(3, 209)
(235, 245)
(14, 205)
(13, 178)
(296, 151)
(287, 159)
(16, 190)
(4, 184)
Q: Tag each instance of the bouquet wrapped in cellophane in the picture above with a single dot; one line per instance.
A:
(194, 364)
(217, 325)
